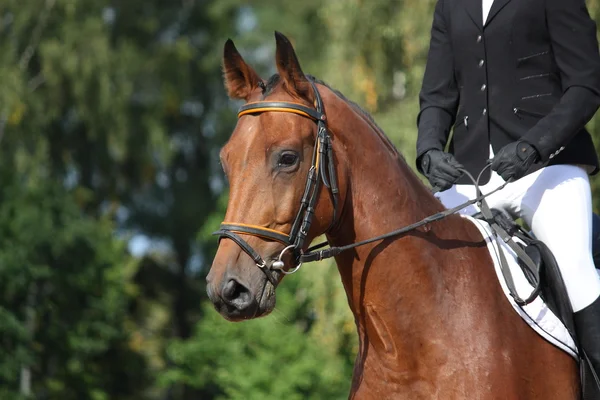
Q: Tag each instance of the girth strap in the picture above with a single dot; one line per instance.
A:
(523, 256)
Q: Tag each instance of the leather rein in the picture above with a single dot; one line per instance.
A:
(321, 171)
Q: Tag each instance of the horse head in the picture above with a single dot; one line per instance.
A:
(267, 161)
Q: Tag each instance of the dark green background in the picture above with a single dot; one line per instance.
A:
(111, 117)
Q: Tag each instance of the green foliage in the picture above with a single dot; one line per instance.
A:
(277, 357)
(111, 118)
(63, 296)
(108, 112)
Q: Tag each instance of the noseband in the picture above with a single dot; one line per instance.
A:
(321, 170)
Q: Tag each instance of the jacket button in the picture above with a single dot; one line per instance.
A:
(483, 87)
(479, 38)
(484, 111)
(481, 62)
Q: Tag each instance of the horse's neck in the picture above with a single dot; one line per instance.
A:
(383, 195)
(391, 285)
(432, 320)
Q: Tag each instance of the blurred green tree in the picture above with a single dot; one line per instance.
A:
(120, 106)
(64, 299)
(278, 357)
(111, 117)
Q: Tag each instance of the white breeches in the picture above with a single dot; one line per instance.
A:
(555, 202)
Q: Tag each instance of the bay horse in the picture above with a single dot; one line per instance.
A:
(431, 318)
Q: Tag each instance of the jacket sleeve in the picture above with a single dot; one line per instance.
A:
(439, 93)
(575, 49)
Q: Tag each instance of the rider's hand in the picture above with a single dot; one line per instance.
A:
(441, 169)
(514, 159)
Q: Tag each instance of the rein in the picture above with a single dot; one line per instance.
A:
(312, 255)
(321, 171)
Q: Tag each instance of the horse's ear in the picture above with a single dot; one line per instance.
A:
(288, 67)
(240, 78)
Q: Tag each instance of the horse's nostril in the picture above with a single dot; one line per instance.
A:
(236, 294)
(230, 289)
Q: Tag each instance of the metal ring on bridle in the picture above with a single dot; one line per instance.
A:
(279, 264)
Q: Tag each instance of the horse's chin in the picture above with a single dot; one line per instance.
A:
(265, 307)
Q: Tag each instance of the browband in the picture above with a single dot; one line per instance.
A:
(281, 106)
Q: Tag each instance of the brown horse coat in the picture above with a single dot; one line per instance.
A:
(431, 317)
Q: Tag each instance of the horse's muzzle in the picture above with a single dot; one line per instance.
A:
(234, 300)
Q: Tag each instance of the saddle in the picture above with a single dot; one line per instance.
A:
(541, 270)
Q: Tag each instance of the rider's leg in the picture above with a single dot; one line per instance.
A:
(556, 203)
(557, 206)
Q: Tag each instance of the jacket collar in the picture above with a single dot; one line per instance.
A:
(497, 5)
(475, 11)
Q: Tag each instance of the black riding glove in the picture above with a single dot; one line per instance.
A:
(514, 159)
(441, 169)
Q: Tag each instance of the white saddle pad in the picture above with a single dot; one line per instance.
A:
(536, 314)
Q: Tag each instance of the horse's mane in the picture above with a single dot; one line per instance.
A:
(274, 80)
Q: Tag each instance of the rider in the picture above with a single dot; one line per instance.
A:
(519, 81)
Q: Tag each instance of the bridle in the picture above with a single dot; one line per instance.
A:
(321, 171)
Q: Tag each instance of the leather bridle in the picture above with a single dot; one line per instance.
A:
(321, 170)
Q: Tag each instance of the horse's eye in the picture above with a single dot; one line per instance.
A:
(287, 159)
